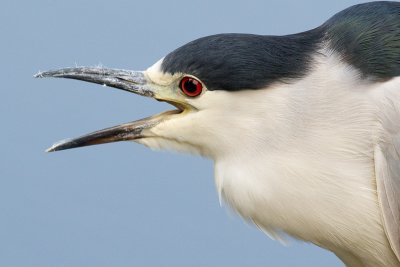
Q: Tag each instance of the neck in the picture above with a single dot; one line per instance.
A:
(307, 159)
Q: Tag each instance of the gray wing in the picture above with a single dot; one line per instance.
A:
(387, 171)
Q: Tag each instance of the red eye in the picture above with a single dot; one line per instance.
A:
(190, 86)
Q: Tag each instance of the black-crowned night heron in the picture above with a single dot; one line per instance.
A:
(304, 129)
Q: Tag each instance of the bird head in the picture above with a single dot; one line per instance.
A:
(212, 82)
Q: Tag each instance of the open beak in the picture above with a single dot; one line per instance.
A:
(131, 81)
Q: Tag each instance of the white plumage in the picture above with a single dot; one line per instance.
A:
(312, 157)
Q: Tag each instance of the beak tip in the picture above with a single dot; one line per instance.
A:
(38, 75)
(61, 145)
(50, 149)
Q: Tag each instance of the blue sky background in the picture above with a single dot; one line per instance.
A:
(120, 204)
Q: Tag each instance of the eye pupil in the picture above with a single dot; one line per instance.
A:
(191, 87)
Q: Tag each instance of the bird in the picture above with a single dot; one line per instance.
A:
(303, 129)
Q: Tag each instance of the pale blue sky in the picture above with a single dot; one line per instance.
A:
(120, 204)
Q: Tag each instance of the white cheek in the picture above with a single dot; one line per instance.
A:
(209, 99)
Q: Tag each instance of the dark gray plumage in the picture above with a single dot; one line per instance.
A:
(366, 36)
(224, 61)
